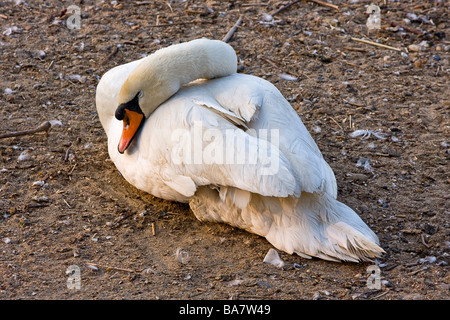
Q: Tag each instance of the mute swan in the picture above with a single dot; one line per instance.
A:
(182, 125)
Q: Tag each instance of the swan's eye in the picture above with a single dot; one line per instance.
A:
(120, 112)
(132, 105)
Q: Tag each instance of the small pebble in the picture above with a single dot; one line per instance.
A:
(424, 45)
(287, 77)
(418, 64)
(413, 47)
(39, 183)
(412, 16)
(428, 259)
(267, 17)
(8, 91)
(92, 267)
(10, 30)
(263, 284)
(40, 54)
(273, 258)
(182, 256)
(413, 296)
(317, 129)
(234, 282)
(24, 155)
(55, 123)
(40, 199)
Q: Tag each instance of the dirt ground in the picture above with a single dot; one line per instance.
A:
(66, 205)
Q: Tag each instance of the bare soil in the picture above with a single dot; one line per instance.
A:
(124, 241)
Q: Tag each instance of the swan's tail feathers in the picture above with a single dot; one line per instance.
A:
(349, 244)
(310, 226)
(321, 226)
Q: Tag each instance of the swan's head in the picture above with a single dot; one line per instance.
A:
(133, 118)
(160, 75)
(141, 93)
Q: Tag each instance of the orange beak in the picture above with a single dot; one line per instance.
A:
(132, 120)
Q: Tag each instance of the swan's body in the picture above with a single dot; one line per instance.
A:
(281, 188)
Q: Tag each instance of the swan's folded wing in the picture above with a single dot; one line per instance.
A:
(211, 150)
(264, 109)
(313, 173)
(239, 131)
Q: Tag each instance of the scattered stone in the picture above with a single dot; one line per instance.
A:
(273, 258)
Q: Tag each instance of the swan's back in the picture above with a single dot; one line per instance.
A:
(262, 107)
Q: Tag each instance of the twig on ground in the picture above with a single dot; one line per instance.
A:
(117, 223)
(321, 3)
(232, 30)
(375, 44)
(273, 64)
(50, 65)
(109, 268)
(355, 49)
(354, 103)
(247, 5)
(380, 295)
(142, 3)
(111, 55)
(351, 64)
(326, 4)
(67, 203)
(36, 205)
(340, 127)
(172, 24)
(284, 7)
(423, 240)
(395, 24)
(43, 127)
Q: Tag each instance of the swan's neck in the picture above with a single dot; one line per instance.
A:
(161, 74)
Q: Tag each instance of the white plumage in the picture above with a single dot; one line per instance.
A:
(269, 178)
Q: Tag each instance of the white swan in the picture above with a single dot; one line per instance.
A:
(184, 126)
